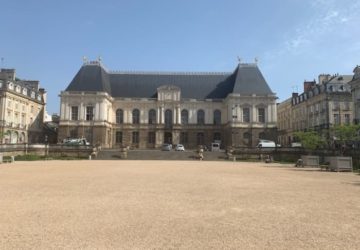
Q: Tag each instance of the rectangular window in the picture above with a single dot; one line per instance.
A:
(336, 119)
(183, 137)
(118, 137)
(261, 113)
(151, 137)
(74, 113)
(89, 113)
(246, 114)
(347, 119)
(135, 137)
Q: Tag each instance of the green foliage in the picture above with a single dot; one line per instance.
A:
(310, 140)
(344, 133)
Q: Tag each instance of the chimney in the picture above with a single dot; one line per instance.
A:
(323, 78)
(7, 74)
(309, 85)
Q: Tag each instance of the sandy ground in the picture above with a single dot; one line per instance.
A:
(176, 205)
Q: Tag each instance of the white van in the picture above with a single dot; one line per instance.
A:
(266, 144)
(296, 145)
(215, 146)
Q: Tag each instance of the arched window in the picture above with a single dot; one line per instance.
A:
(247, 135)
(200, 117)
(262, 135)
(168, 118)
(261, 115)
(184, 116)
(136, 116)
(152, 116)
(217, 117)
(119, 116)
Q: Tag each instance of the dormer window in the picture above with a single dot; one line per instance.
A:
(168, 93)
(32, 94)
(18, 89)
(11, 86)
(24, 91)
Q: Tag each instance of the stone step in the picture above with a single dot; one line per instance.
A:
(110, 154)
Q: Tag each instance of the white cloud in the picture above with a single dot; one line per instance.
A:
(330, 16)
(327, 42)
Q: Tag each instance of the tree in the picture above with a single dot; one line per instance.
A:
(310, 140)
(345, 134)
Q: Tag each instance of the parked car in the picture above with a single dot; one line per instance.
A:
(180, 147)
(266, 144)
(166, 147)
(75, 142)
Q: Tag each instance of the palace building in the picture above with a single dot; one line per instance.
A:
(147, 109)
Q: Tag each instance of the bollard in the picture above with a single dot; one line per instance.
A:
(89, 157)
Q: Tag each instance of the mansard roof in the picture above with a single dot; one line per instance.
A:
(246, 80)
(249, 80)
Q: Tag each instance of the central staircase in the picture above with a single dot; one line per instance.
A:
(154, 154)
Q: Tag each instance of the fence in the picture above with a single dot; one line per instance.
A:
(46, 150)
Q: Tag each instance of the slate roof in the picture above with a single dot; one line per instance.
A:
(246, 79)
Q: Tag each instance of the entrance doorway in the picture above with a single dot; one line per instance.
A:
(168, 137)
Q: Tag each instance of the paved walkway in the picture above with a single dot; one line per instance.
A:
(176, 205)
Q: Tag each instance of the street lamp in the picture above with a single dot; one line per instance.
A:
(234, 119)
(46, 145)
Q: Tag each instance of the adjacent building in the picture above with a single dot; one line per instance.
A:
(22, 104)
(284, 122)
(147, 109)
(355, 90)
(321, 106)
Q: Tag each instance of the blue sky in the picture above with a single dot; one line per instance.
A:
(294, 40)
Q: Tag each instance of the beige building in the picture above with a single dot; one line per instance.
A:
(147, 109)
(321, 106)
(284, 122)
(355, 90)
(22, 106)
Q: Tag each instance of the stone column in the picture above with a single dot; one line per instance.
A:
(158, 115)
(174, 115)
(268, 114)
(62, 112)
(178, 115)
(162, 115)
(274, 114)
(97, 111)
(254, 114)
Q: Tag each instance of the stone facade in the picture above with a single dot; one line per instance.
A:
(22, 105)
(173, 114)
(355, 90)
(321, 106)
(284, 122)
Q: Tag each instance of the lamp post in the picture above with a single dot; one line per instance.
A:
(46, 145)
(234, 119)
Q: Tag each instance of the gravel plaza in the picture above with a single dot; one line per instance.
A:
(176, 205)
